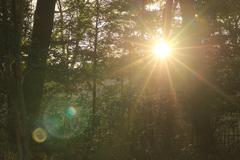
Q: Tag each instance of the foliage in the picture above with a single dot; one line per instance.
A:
(138, 115)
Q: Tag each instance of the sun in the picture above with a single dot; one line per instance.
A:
(162, 49)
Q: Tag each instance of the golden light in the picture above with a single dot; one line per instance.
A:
(162, 49)
(39, 135)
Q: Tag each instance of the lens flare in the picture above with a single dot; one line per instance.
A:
(70, 112)
(65, 117)
(39, 135)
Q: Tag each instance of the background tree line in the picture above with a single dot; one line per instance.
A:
(82, 70)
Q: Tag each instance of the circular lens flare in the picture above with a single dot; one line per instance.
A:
(162, 49)
(39, 135)
(71, 112)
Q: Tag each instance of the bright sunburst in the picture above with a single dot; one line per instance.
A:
(162, 49)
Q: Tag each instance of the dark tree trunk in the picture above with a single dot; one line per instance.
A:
(169, 131)
(11, 27)
(35, 72)
(36, 66)
(17, 122)
(188, 13)
(200, 94)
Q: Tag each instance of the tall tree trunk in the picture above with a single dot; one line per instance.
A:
(11, 28)
(200, 94)
(167, 18)
(170, 109)
(188, 12)
(36, 65)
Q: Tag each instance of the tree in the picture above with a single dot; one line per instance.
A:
(201, 111)
(98, 64)
(36, 65)
(11, 29)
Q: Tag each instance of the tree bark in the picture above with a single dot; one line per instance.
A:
(187, 9)
(11, 29)
(200, 94)
(36, 66)
(37, 57)
(167, 18)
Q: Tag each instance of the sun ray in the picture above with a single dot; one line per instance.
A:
(147, 81)
(148, 77)
(206, 82)
(145, 66)
(173, 90)
(145, 26)
(138, 61)
(193, 47)
(182, 31)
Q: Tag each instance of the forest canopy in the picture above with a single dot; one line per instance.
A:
(119, 79)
